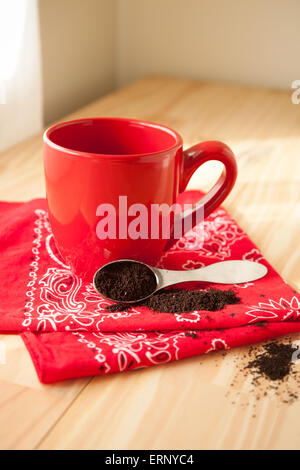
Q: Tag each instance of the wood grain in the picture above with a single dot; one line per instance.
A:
(188, 404)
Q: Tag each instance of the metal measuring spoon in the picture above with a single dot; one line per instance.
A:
(224, 272)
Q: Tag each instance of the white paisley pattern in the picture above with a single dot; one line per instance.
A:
(217, 344)
(220, 233)
(270, 310)
(129, 348)
(34, 266)
(59, 290)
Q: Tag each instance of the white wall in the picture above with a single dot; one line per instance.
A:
(247, 41)
(91, 46)
(78, 53)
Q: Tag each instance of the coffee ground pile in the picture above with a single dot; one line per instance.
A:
(275, 362)
(125, 281)
(183, 300)
(272, 372)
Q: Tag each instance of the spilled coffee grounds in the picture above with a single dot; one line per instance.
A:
(275, 362)
(125, 281)
(182, 300)
(272, 371)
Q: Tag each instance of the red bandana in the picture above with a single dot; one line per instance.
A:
(69, 334)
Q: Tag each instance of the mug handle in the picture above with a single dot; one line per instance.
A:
(193, 158)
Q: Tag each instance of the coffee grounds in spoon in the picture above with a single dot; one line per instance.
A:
(183, 301)
(125, 281)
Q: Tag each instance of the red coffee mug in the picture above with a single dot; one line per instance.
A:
(93, 161)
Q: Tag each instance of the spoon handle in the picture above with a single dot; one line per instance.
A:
(224, 272)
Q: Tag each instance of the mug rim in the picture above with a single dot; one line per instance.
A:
(79, 153)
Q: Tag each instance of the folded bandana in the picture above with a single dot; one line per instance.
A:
(68, 332)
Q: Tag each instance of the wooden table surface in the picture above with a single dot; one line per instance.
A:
(188, 404)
